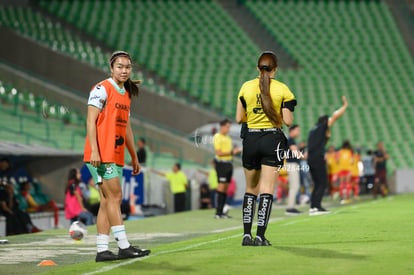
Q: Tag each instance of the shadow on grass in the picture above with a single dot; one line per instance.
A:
(319, 253)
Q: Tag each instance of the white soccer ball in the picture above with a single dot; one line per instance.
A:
(77, 230)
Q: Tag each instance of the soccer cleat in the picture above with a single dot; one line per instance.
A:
(259, 242)
(318, 211)
(292, 212)
(247, 240)
(105, 256)
(132, 252)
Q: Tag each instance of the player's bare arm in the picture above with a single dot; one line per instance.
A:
(338, 113)
(92, 116)
(287, 116)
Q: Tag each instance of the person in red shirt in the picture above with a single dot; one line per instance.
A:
(108, 133)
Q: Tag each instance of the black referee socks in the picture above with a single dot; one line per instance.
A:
(263, 214)
(249, 204)
(221, 201)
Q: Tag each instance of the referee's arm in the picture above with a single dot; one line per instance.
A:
(241, 111)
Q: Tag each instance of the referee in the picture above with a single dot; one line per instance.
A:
(265, 104)
(224, 152)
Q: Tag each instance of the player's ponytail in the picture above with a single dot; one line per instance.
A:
(268, 63)
(130, 85)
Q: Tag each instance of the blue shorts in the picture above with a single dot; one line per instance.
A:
(105, 171)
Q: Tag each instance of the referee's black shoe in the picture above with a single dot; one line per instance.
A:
(105, 256)
(261, 242)
(133, 252)
(247, 240)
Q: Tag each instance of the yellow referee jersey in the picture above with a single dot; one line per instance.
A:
(224, 144)
(250, 91)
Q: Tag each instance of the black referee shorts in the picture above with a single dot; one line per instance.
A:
(264, 148)
(224, 171)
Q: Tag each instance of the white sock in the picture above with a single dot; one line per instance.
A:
(102, 242)
(120, 236)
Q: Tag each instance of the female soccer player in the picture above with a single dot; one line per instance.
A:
(108, 132)
(265, 104)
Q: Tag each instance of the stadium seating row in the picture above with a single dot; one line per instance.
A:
(204, 44)
(30, 119)
(352, 48)
(27, 118)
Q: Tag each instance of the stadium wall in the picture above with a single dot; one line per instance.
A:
(401, 181)
(77, 77)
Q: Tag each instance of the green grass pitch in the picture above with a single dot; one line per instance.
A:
(368, 237)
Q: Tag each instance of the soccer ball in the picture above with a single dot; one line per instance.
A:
(77, 230)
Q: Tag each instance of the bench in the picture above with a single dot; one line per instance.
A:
(43, 220)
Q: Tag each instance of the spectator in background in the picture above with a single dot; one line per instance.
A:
(205, 197)
(369, 171)
(282, 186)
(331, 157)
(345, 160)
(178, 184)
(305, 178)
(17, 221)
(142, 151)
(36, 206)
(74, 206)
(231, 191)
(4, 169)
(292, 166)
(355, 179)
(93, 199)
(90, 195)
(212, 182)
(380, 160)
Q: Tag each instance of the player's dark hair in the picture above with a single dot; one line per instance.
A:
(130, 85)
(178, 165)
(72, 178)
(224, 122)
(293, 127)
(323, 119)
(73, 174)
(267, 63)
(347, 145)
